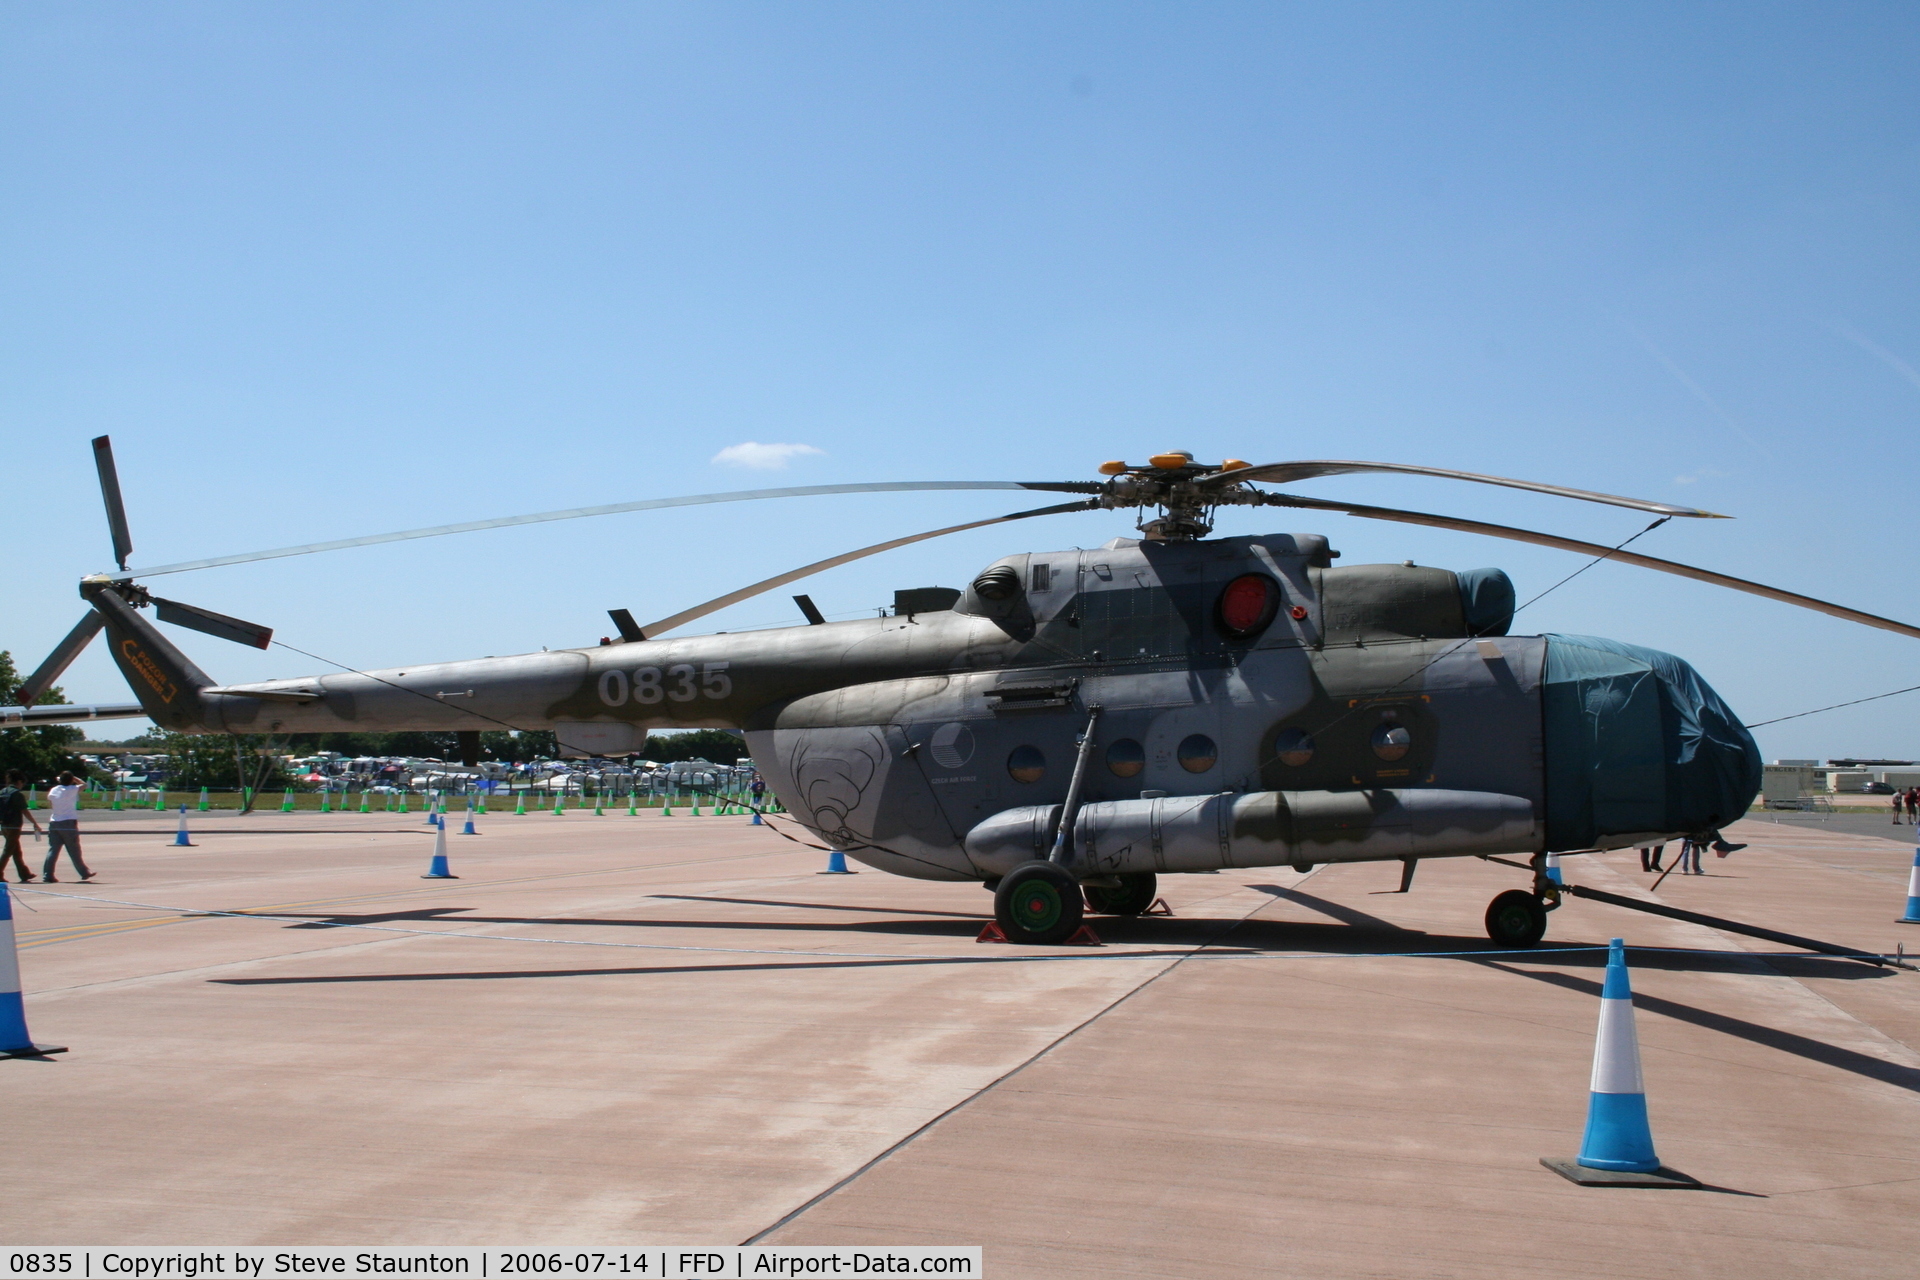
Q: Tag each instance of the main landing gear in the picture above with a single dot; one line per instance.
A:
(1518, 917)
(1041, 905)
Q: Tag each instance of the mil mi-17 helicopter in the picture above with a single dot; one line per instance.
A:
(1073, 724)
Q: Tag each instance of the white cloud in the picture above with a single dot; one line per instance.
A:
(763, 457)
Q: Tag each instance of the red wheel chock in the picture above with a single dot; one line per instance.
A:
(1159, 908)
(1084, 936)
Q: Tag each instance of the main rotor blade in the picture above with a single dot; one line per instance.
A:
(575, 513)
(110, 494)
(237, 630)
(1594, 549)
(59, 660)
(654, 629)
(1283, 472)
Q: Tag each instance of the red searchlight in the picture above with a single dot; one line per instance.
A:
(1247, 605)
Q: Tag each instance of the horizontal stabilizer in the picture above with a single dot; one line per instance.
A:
(237, 630)
(18, 717)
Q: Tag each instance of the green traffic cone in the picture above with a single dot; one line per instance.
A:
(203, 800)
(366, 806)
(520, 802)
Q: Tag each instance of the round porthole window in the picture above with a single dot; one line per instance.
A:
(1126, 758)
(1391, 741)
(1197, 753)
(1248, 605)
(1293, 747)
(1026, 764)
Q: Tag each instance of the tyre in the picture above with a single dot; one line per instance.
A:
(1038, 904)
(1516, 919)
(1135, 894)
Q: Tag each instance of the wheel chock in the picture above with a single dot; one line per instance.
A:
(1159, 908)
(992, 933)
(1084, 936)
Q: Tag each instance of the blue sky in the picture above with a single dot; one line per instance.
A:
(324, 270)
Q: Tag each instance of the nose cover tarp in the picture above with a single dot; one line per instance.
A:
(1637, 742)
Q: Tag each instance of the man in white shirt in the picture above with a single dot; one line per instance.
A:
(63, 831)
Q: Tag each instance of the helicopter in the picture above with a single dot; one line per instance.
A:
(1072, 725)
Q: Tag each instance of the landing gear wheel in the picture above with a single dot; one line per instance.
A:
(1038, 904)
(1516, 919)
(1135, 894)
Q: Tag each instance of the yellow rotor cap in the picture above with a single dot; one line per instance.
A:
(1167, 461)
(1234, 464)
(1113, 468)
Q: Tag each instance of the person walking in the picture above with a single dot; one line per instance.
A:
(1913, 805)
(13, 807)
(1650, 857)
(63, 830)
(1690, 856)
(1899, 800)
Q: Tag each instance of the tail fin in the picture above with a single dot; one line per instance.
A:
(164, 679)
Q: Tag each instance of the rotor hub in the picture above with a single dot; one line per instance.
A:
(1167, 483)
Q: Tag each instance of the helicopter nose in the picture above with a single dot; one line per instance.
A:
(1637, 744)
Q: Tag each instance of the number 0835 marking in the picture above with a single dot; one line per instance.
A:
(680, 683)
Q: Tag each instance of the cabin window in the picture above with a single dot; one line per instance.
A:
(1026, 764)
(1126, 758)
(1197, 753)
(1293, 747)
(1043, 577)
(1391, 741)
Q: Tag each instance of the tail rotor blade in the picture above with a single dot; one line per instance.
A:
(237, 630)
(110, 493)
(59, 660)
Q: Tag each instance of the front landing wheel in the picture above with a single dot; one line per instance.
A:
(1516, 919)
(1038, 904)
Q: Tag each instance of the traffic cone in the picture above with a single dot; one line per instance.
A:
(1913, 892)
(559, 803)
(437, 869)
(325, 796)
(365, 803)
(633, 803)
(116, 800)
(599, 810)
(1553, 869)
(402, 807)
(286, 804)
(837, 865)
(203, 800)
(1618, 1137)
(14, 1040)
(520, 802)
(756, 820)
(180, 840)
(468, 829)
(33, 797)
(160, 800)
(1617, 1150)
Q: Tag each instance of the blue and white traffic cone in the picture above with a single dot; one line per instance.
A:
(756, 820)
(468, 829)
(1553, 869)
(1913, 893)
(1618, 1137)
(180, 840)
(437, 869)
(837, 865)
(14, 1040)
